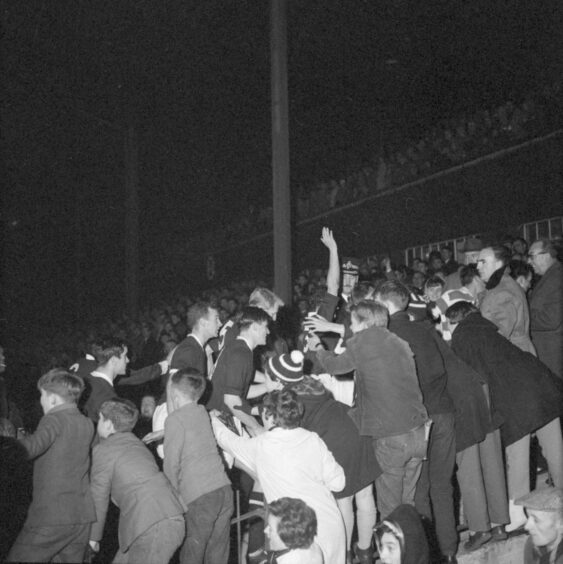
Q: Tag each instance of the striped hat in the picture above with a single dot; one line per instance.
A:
(287, 368)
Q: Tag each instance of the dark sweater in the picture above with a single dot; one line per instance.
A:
(430, 367)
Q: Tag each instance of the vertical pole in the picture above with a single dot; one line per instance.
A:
(280, 151)
(131, 221)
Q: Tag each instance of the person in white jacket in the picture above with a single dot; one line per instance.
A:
(292, 462)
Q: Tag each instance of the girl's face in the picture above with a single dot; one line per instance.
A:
(389, 549)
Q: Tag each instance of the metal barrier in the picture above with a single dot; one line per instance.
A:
(238, 520)
(550, 228)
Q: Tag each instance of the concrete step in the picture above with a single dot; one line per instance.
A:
(510, 551)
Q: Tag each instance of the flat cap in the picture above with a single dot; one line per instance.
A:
(547, 499)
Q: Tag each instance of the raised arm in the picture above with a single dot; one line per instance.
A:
(333, 275)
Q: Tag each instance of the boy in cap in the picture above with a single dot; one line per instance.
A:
(544, 509)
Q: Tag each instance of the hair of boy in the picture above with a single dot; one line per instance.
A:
(373, 313)
(189, 382)
(62, 383)
(394, 292)
(123, 413)
(361, 291)
(250, 315)
(197, 311)
(467, 273)
(264, 298)
(285, 408)
(297, 524)
(459, 311)
(434, 282)
(520, 268)
(109, 347)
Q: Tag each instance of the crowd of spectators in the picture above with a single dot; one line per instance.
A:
(449, 143)
(479, 316)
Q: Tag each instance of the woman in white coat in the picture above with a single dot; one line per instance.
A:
(289, 461)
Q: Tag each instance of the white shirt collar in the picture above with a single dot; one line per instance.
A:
(103, 376)
(245, 340)
(197, 339)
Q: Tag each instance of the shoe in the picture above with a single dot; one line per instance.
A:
(517, 517)
(449, 559)
(364, 555)
(477, 540)
(498, 533)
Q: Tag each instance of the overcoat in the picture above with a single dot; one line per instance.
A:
(523, 389)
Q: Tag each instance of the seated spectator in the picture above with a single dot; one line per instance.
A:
(544, 511)
(401, 538)
(291, 530)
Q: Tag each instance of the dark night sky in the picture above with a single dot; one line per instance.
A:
(194, 78)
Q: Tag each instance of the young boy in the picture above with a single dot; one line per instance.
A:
(58, 520)
(195, 469)
(151, 524)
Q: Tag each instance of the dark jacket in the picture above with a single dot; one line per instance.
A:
(60, 448)
(96, 392)
(330, 420)
(473, 417)
(189, 354)
(546, 318)
(388, 396)
(428, 359)
(525, 392)
(124, 469)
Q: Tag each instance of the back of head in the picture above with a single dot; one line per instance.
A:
(108, 348)
(373, 313)
(64, 384)
(188, 382)
(362, 291)
(502, 254)
(122, 413)
(396, 293)
(520, 268)
(250, 315)
(264, 299)
(284, 407)
(457, 312)
(197, 311)
(297, 526)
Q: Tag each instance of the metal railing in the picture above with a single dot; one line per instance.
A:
(550, 228)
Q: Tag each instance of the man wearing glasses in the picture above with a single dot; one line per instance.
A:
(546, 305)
